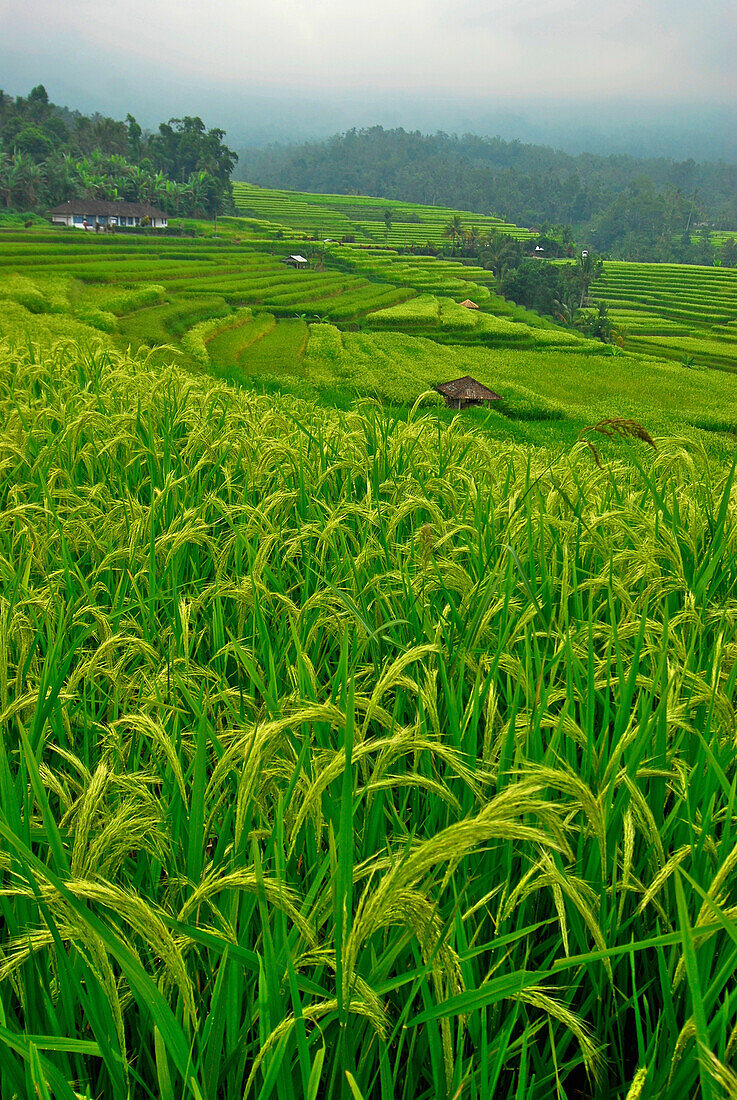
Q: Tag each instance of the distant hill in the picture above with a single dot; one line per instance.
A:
(633, 208)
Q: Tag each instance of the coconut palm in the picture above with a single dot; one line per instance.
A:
(471, 238)
(588, 268)
(454, 230)
(499, 254)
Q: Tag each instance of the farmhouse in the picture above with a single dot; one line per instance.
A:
(462, 392)
(96, 212)
(295, 261)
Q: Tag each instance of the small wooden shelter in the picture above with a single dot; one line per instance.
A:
(462, 392)
(295, 261)
(469, 304)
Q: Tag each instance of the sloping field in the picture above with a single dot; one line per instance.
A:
(239, 311)
(360, 216)
(151, 291)
(674, 309)
(538, 384)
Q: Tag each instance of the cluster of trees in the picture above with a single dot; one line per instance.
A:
(49, 154)
(628, 207)
(559, 290)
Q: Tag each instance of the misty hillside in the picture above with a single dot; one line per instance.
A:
(632, 206)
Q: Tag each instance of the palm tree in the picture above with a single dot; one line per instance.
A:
(588, 268)
(499, 254)
(454, 229)
(471, 238)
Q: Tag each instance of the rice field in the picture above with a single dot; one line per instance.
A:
(360, 216)
(674, 310)
(348, 755)
(572, 386)
(231, 307)
(351, 749)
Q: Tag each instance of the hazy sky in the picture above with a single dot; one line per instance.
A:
(161, 57)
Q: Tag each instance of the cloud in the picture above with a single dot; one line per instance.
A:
(667, 50)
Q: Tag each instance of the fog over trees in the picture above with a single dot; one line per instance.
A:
(634, 208)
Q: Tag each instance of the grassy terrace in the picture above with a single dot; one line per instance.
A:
(360, 216)
(229, 306)
(674, 309)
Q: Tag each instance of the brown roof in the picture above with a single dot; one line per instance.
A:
(101, 208)
(469, 304)
(467, 389)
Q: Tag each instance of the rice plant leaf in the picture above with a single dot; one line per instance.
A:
(162, 1067)
(144, 987)
(694, 984)
(313, 1084)
(355, 1091)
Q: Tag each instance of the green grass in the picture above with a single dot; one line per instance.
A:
(347, 754)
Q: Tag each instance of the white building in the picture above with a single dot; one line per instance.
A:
(90, 213)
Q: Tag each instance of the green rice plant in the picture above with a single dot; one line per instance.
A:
(423, 310)
(40, 294)
(196, 339)
(228, 345)
(24, 291)
(125, 301)
(347, 754)
(19, 326)
(101, 319)
(277, 352)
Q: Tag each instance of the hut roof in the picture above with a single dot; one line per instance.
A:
(467, 389)
(469, 304)
(101, 207)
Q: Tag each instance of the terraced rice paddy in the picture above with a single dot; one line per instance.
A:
(376, 754)
(237, 310)
(337, 216)
(145, 291)
(674, 309)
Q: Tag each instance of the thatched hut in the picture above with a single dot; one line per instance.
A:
(469, 304)
(462, 392)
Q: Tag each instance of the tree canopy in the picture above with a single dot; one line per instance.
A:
(49, 154)
(632, 208)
